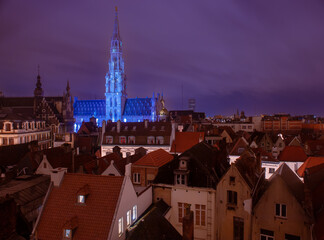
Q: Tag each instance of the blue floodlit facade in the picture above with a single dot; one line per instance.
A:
(117, 106)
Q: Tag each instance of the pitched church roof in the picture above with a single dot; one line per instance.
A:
(90, 107)
(138, 106)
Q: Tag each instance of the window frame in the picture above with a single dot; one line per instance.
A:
(136, 177)
(280, 212)
(134, 212)
(200, 214)
(120, 226)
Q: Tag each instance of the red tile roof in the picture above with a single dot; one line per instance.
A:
(156, 158)
(185, 140)
(311, 163)
(94, 218)
(293, 154)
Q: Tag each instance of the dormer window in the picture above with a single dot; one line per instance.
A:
(82, 195)
(180, 179)
(81, 199)
(69, 228)
(67, 233)
(8, 127)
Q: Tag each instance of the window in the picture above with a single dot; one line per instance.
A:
(271, 170)
(67, 233)
(180, 179)
(134, 215)
(231, 198)
(160, 140)
(281, 210)
(136, 178)
(122, 140)
(200, 212)
(109, 139)
(238, 228)
(131, 139)
(44, 165)
(291, 237)
(8, 127)
(150, 140)
(120, 226)
(5, 141)
(266, 234)
(11, 141)
(240, 150)
(129, 217)
(181, 211)
(232, 180)
(81, 199)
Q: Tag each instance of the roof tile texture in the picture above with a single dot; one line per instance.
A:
(94, 218)
(293, 154)
(156, 158)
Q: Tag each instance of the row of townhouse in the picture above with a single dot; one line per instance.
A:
(232, 201)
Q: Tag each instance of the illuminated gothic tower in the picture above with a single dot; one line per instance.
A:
(115, 77)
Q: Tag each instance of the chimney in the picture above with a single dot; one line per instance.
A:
(57, 175)
(128, 170)
(118, 126)
(187, 224)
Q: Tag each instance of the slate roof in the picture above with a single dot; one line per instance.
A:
(138, 130)
(310, 164)
(90, 107)
(138, 107)
(292, 154)
(99, 165)
(28, 193)
(185, 140)
(290, 178)
(203, 160)
(157, 158)
(94, 219)
(153, 225)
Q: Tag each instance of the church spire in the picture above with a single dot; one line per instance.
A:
(38, 92)
(116, 35)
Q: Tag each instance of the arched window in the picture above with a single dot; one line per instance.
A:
(8, 127)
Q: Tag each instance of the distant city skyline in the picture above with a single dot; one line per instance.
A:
(259, 57)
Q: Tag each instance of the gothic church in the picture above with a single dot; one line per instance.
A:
(117, 106)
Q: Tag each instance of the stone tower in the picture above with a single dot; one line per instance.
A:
(115, 77)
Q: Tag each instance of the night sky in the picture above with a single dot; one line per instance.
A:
(256, 56)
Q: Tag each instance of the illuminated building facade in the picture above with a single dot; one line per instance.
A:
(117, 106)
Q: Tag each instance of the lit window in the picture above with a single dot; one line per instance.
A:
(281, 210)
(200, 211)
(231, 198)
(129, 217)
(109, 139)
(266, 234)
(81, 199)
(181, 211)
(136, 178)
(120, 226)
(122, 140)
(67, 233)
(134, 216)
